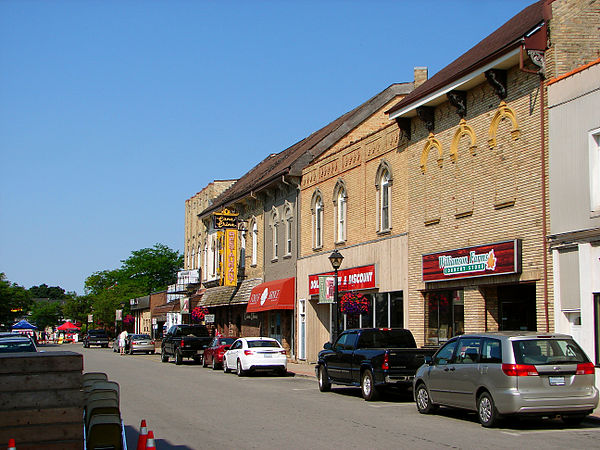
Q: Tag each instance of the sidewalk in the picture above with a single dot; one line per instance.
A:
(301, 369)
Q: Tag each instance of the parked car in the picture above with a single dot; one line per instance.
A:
(13, 342)
(509, 373)
(213, 355)
(185, 341)
(139, 343)
(255, 354)
(372, 358)
(96, 337)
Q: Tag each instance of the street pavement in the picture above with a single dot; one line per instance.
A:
(189, 407)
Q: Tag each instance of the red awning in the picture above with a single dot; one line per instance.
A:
(278, 294)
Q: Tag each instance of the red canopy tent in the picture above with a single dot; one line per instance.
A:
(68, 326)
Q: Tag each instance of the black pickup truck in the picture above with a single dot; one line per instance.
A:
(95, 337)
(372, 358)
(185, 341)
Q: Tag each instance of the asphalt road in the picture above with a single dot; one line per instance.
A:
(189, 407)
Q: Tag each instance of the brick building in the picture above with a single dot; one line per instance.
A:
(351, 201)
(475, 141)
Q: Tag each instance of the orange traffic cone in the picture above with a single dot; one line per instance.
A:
(150, 445)
(11, 445)
(141, 445)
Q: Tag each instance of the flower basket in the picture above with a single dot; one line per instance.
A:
(128, 320)
(354, 303)
(198, 313)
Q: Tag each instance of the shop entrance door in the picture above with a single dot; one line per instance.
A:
(275, 326)
(517, 307)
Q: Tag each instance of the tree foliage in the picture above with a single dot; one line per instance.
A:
(145, 271)
(14, 301)
(46, 314)
(45, 291)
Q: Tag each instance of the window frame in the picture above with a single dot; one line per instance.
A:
(254, 260)
(318, 208)
(594, 168)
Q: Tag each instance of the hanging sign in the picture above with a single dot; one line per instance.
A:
(326, 289)
(229, 274)
(355, 279)
(500, 258)
(225, 219)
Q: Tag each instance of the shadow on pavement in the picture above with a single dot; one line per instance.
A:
(522, 423)
(389, 395)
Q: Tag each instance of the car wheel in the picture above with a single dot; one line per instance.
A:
(423, 400)
(178, 358)
(163, 356)
(323, 378)
(204, 362)
(239, 371)
(225, 369)
(130, 351)
(486, 410)
(213, 364)
(367, 386)
(281, 372)
(114, 349)
(575, 419)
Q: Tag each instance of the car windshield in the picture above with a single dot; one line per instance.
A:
(548, 351)
(254, 344)
(7, 346)
(226, 341)
(97, 333)
(193, 331)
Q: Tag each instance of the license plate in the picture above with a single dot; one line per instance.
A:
(268, 355)
(556, 381)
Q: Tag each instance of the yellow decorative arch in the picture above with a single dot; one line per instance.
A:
(432, 142)
(503, 111)
(463, 130)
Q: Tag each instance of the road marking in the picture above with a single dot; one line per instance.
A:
(304, 389)
(394, 405)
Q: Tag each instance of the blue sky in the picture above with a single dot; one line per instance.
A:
(113, 113)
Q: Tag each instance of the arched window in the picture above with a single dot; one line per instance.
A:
(254, 242)
(317, 212)
(243, 248)
(205, 265)
(274, 224)
(339, 206)
(383, 183)
(288, 228)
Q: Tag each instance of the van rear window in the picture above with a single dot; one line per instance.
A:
(548, 351)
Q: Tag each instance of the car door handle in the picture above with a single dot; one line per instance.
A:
(446, 369)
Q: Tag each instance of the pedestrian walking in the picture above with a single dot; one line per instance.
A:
(122, 339)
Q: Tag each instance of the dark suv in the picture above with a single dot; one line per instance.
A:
(95, 337)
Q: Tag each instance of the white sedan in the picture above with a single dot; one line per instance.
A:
(253, 354)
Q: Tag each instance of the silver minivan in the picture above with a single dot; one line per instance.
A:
(509, 373)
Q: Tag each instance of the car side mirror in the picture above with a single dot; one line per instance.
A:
(428, 360)
(328, 346)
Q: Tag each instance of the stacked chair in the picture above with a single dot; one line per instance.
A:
(102, 415)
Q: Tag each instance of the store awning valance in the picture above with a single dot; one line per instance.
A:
(217, 296)
(278, 294)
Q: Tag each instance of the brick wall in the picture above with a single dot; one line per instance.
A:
(484, 195)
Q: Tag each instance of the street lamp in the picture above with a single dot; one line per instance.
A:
(336, 259)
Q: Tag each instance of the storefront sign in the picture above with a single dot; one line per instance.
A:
(90, 318)
(209, 318)
(225, 219)
(355, 279)
(277, 294)
(493, 259)
(230, 254)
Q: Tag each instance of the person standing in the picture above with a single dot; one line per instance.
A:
(122, 340)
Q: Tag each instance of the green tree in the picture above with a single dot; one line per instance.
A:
(154, 267)
(14, 301)
(77, 307)
(45, 291)
(145, 271)
(46, 314)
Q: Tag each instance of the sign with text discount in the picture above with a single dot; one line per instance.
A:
(501, 258)
(355, 279)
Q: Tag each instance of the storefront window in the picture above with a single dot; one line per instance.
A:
(445, 315)
(386, 311)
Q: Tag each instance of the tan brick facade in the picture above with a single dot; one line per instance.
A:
(195, 232)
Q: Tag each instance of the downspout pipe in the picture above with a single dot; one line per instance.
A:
(543, 178)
